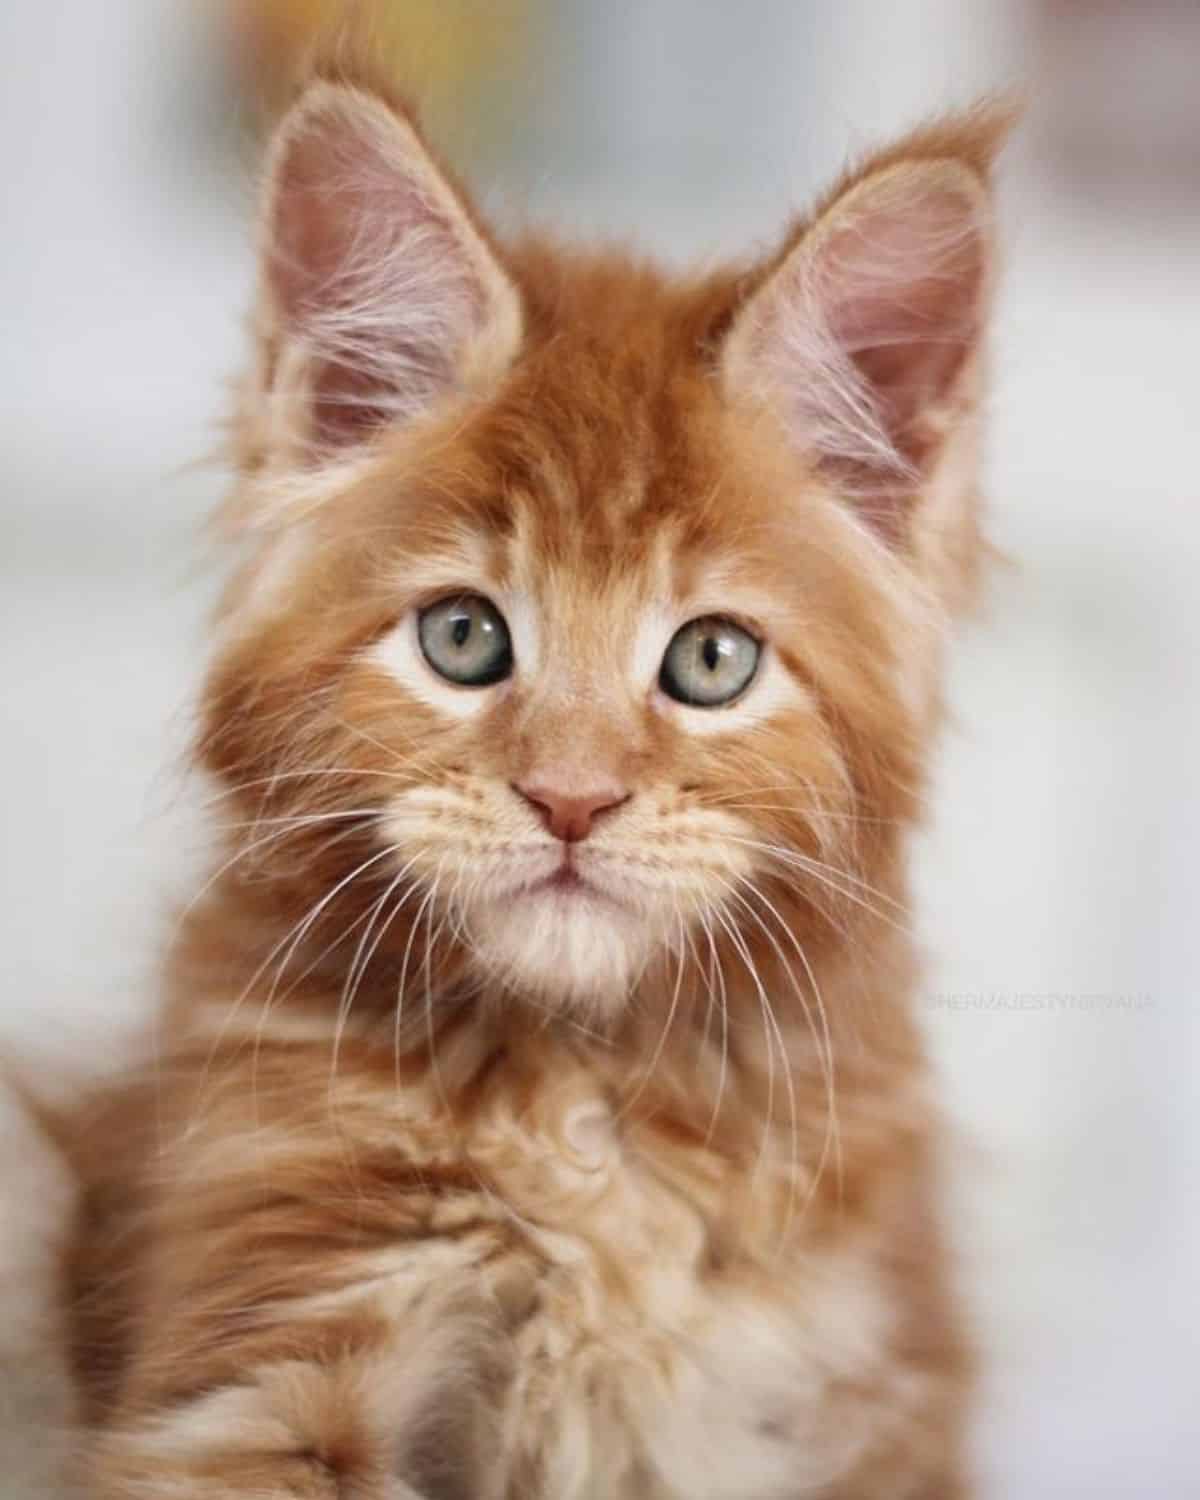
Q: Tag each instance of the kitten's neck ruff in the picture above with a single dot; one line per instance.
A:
(736, 1031)
(770, 1097)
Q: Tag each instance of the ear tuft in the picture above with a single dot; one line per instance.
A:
(381, 293)
(862, 331)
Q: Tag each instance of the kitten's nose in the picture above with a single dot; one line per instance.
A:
(568, 805)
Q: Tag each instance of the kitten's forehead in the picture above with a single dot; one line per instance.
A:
(627, 493)
(587, 573)
(575, 608)
(612, 597)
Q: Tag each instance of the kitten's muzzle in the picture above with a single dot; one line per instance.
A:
(567, 806)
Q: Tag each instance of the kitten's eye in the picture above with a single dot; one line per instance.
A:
(466, 641)
(709, 662)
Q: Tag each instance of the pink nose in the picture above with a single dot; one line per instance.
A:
(568, 807)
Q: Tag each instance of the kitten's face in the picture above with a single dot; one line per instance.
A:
(574, 616)
(572, 818)
(576, 818)
(499, 643)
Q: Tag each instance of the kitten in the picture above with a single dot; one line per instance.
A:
(539, 1109)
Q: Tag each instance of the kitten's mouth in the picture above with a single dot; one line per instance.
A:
(565, 878)
(567, 882)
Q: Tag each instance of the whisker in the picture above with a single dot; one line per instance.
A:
(298, 820)
(300, 927)
(648, 1073)
(292, 939)
(822, 1039)
(718, 973)
(829, 876)
(361, 961)
(243, 852)
(427, 969)
(303, 773)
(361, 734)
(769, 1028)
(401, 984)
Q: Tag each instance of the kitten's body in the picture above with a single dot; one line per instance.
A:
(469, 1172)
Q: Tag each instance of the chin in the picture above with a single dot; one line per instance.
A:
(574, 949)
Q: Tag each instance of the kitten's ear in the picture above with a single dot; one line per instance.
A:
(380, 291)
(861, 331)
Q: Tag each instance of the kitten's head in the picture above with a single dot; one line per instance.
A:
(591, 616)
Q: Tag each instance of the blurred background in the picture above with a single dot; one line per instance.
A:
(1059, 878)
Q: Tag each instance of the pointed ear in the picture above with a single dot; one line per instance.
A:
(380, 292)
(862, 332)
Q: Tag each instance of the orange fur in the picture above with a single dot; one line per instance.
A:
(443, 1187)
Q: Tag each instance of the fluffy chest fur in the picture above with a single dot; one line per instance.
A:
(559, 1282)
(681, 1337)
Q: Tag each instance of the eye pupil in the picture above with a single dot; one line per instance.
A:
(460, 630)
(711, 652)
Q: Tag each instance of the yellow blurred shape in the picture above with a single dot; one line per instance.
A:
(446, 50)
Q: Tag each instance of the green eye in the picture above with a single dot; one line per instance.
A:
(709, 662)
(466, 641)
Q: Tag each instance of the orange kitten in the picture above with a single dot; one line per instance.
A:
(540, 1110)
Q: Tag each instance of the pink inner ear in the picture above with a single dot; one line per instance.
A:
(866, 330)
(901, 294)
(369, 272)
